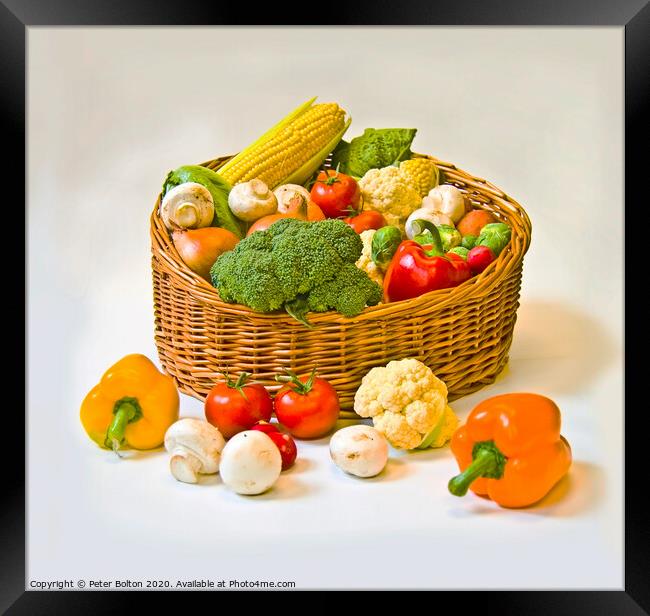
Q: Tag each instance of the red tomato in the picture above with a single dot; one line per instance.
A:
(266, 427)
(478, 258)
(235, 407)
(307, 407)
(367, 219)
(336, 194)
(287, 448)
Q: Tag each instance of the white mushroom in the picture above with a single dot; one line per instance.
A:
(252, 200)
(437, 218)
(188, 205)
(285, 193)
(195, 447)
(448, 200)
(250, 462)
(359, 450)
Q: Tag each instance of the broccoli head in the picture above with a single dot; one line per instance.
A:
(297, 265)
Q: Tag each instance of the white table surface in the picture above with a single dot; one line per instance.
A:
(110, 111)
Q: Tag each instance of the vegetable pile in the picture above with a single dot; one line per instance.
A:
(509, 449)
(274, 227)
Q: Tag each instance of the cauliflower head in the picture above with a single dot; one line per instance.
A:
(365, 261)
(407, 404)
(386, 191)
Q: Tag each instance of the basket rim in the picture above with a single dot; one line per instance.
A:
(509, 259)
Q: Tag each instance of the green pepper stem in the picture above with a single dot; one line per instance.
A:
(125, 412)
(485, 463)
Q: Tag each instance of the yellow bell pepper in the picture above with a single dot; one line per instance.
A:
(132, 405)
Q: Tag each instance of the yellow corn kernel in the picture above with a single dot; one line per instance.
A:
(420, 173)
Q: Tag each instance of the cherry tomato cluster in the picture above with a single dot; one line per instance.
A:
(338, 196)
(307, 407)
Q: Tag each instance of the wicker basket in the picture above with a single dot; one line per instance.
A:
(463, 334)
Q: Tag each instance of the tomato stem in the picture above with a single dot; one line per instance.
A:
(238, 384)
(331, 179)
(295, 383)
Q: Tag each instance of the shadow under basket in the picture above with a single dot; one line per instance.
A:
(463, 334)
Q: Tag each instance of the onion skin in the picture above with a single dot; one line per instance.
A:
(200, 248)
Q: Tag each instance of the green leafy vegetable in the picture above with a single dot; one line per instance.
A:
(495, 236)
(449, 236)
(468, 241)
(375, 149)
(384, 244)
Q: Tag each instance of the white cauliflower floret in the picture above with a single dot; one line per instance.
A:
(365, 261)
(397, 430)
(386, 191)
(407, 403)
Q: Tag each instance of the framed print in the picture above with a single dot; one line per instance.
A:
(328, 306)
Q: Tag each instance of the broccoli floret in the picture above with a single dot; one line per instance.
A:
(304, 259)
(337, 234)
(348, 293)
(297, 265)
(282, 225)
(248, 277)
(256, 241)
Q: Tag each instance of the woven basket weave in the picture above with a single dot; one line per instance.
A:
(463, 334)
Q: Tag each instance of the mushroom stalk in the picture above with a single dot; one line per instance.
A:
(187, 214)
(195, 447)
(185, 465)
(188, 206)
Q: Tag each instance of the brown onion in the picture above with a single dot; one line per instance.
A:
(199, 248)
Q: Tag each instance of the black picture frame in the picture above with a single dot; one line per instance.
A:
(633, 15)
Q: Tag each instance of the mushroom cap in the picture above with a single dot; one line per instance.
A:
(252, 200)
(199, 212)
(250, 462)
(199, 438)
(359, 450)
(284, 194)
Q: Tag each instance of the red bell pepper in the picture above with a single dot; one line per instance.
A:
(416, 269)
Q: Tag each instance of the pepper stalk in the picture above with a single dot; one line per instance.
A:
(487, 461)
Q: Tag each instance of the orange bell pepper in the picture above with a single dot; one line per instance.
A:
(510, 449)
(132, 405)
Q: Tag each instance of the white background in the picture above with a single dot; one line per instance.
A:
(536, 111)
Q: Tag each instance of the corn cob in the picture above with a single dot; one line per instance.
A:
(420, 173)
(292, 150)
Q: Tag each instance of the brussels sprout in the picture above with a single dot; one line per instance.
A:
(449, 236)
(384, 244)
(495, 236)
(468, 241)
(461, 251)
